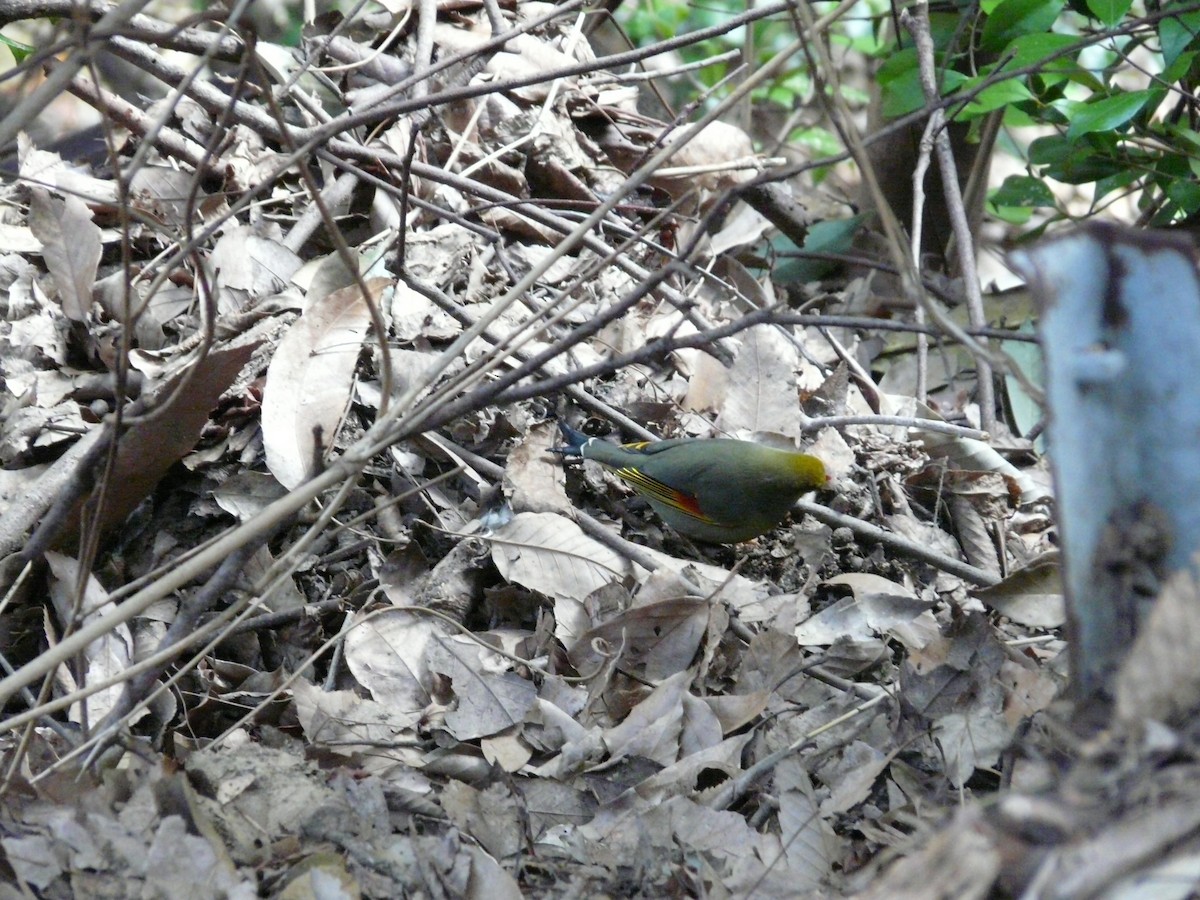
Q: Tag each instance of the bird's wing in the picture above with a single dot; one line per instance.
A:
(656, 490)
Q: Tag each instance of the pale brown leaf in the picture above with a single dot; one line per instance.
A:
(70, 246)
(655, 641)
(549, 553)
(1032, 595)
(1160, 678)
(310, 378)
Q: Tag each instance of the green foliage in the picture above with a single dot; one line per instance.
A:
(19, 51)
(833, 236)
(1109, 83)
(1013, 19)
(647, 21)
(1015, 200)
(1110, 80)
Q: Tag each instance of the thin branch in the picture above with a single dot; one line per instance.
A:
(918, 25)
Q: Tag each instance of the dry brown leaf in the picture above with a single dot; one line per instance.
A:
(972, 455)
(42, 167)
(654, 728)
(107, 656)
(1160, 678)
(734, 711)
(162, 192)
(533, 478)
(1028, 690)
(850, 775)
(955, 682)
(155, 443)
(713, 153)
(683, 775)
(762, 386)
(549, 553)
(416, 317)
(309, 380)
(876, 606)
(491, 698)
(245, 261)
(70, 246)
(655, 641)
(1032, 595)
(349, 725)
(388, 654)
(491, 816)
(961, 861)
(507, 751)
(808, 843)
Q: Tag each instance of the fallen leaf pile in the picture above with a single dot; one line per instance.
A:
(296, 600)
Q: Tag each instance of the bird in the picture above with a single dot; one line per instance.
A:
(715, 490)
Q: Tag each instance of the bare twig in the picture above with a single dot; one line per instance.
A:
(918, 25)
(894, 542)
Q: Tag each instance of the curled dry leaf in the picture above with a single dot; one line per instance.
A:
(876, 606)
(973, 455)
(717, 159)
(654, 641)
(1032, 595)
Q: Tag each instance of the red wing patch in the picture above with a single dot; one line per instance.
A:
(656, 490)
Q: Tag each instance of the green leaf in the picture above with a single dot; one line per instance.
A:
(1026, 410)
(1107, 113)
(1022, 190)
(1186, 196)
(1014, 18)
(1178, 69)
(1029, 49)
(819, 140)
(904, 94)
(1176, 33)
(830, 236)
(1110, 12)
(897, 64)
(1016, 117)
(1077, 162)
(1048, 150)
(1105, 186)
(1185, 139)
(1080, 75)
(19, 51)
(901, 95)
(1013, 215)
(1004, 93)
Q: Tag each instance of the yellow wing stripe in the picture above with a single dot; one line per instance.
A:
(656, 490)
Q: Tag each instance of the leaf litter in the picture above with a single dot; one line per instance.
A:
(401, 650)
